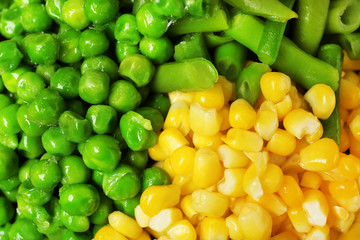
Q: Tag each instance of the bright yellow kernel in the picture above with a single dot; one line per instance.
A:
(124, 224)
(266, 123)
(236, 204)
(275, 86)
(243, 140)
(211, 204)
(352, 77)
(211, 98)
(178, 96)
(343, 225)
(182, 230)
(291, 192)
(251, 183)
(283, 107)
(291, 166)
(108, 233)
(260, 160)
(296, 98)
(182, 160)
(203, 121)
(281, 143)
(272, 179)
(299, 123)
(232, 158)
(224, 113)
(178, 117)
(273, 204)
(321, 155)
(141, 218)
(233, 225)
(349, 166)
(322, 100)
(206, 164)
(166, 217)
(157, 153)
(311, 180)
(255, 222)
(156, 198)
(354, 126)
(344, 139)
(349, 94)
(168, 168)
(232, 183)
(354, 146)
(188, 211)
(353, 233)
(212, 142)
(276, 159)
(227, 87)
(298, 218)
(316, 207)
(213, 228)
(349, 64)
(186, 184)
(346, 193)
(287, 235)
(170, 139)
(144, 236)
(318, 233)
(241, 115)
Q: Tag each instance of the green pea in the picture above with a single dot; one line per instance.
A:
(29, 85)
(124, 49)
(9, 140)
(80, 147)
(97, 177)
(56, 142)
(66, 81)
(2, 87)
(126, 30)
(124, 96)
(49, 156)
(10, 183)
(11, 195)
(94, 86)
(117, 135)
(5, 101)
(34, 196)
(128, 205)
(149, 22)
(34, 18)
(154, 177)
(102, 152)
(24, 229)
(5, 4)
(158, 50)
(10, 56)
(70, 235)
(144, 92)
(122, 183)
(103, 118)
(30, 147)
(4, 230)
(102, 63)
(154, 115)
(173, 9)
(160, 102)
(75, 223)
(100, 216)
(26, 2)
(53, 9)
(24, 171)
(46, 71)
(10, 22)
(100, 12)
(73, 14)
(93, 43)
(10, 78)
(42, 49)
(46, 107)
(8, 122)
(75, 127)
(137, 68)
(45, 174)
(68, 46)
(73, 170)
(29, 127)
(79, 199)
(138, 159)
(77, 106)
(6, 211)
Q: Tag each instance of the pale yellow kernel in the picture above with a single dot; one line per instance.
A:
(241, 115)
(316, 207)
(232, 158)
(124, 224)
(166, 217)
(178, 117)
(212, 204)
(244, 140)
(203, 121)
(232, 183)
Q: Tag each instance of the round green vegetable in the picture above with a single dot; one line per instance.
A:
(45, 174)
(102, 63)
(73, 14)
(56, 142)
(29, 127)
(75, 127)
(124, 49)
(103, 118)
(101, 12)
(8, 122)
(126, 29)
(29, 85)
(24, 229)
(10, 23)
(68, 46)
(34, 18)
(30, 147)
(153, 177)
(158, 50)
(94, 86)
(10, 56)
(149, 22)
(92, 43)
(124, 96)
(66, 81)
(137, 68)
(42, 48)
(75, 223)
(73, 170)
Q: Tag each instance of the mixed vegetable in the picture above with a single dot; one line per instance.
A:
(179, 119)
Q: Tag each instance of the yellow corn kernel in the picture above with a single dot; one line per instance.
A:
(344, 113)
(213, 228)
(354, 126)
(298, 218)
(272, 179)
(203, 121)
(178, 96)
(260, 160)
(349, 166)
(233, 225)
(321, 155)
(156, 198)
(232, 158)
(167, 167)
(188, 211)
(296, 98)
(322, 100)
(299, 123)
(266, 123)
(343, 225)
(212, 142)
(316, 207)
(232, 183)
(182, 230)
(255, 222)
(144, 236)
(354, 146)
(178, 117)
(206, 164)
(124, 224)
(344, 139)
(290, 192)
(141, 218)
(287, 235)
(318, 233)
(227, 87)
(353, 233)
(275, 86)
(211, 204)
(108, 233)
(211, 98)
(311, 180)
(170, 139)
(352, 114)
(251, 183)
(166, 217)
(273, 204)
(349, 94)
(241, 115)
(283, 107)
(346, 193)
(349, 64)
(186, 184)
(352, 77)
(243, 140)
(157, 153)
(281, 143)
(277, 222)
(236, 204)
(182, 160)
(333, 234)
(224, 113)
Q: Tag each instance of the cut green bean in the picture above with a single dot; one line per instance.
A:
(351, 43)
(343, 16)
(191, 46)
(213, 39)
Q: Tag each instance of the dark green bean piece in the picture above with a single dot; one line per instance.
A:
(214, 39)
(343, 16)
(350, 42)
(191, 46)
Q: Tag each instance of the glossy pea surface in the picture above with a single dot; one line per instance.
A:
(42, 49)
(153, 177)
(92, 43)
(8, 121)
(29, 127)
(158, 50)
(11, 22)
(34, 18)
(102, 63)
(66, 81)
(73, 14)
(94, 86)
(101, 12)
(29, 85)
(124, 96)
(68, 46)
(45, 174)
(75, 127)
(126, 29)
(73, 170)
(138, 69)
(55, 142)
(124, 49)
(30, 147)
(75, 223)
(103, 118)
(24, 229)
(10, 56)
